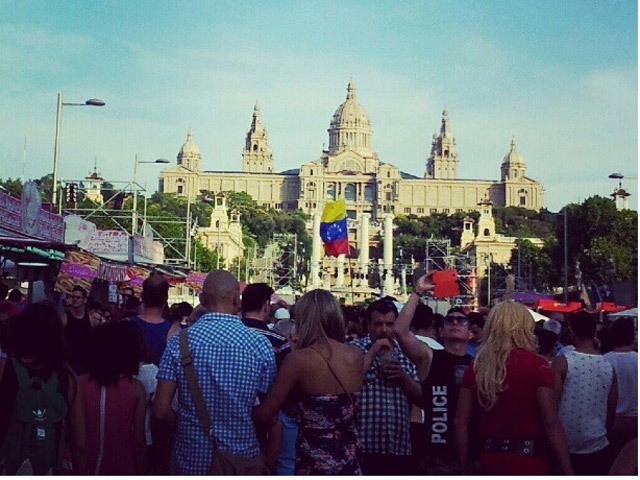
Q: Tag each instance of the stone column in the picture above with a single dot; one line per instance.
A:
(327, 282)
(388, 254)
(364, 248)
(316, 252)
(340, 270)
(403, 283)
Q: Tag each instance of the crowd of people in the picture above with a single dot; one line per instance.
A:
(240, 385)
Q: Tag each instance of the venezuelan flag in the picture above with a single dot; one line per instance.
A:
(333, 228)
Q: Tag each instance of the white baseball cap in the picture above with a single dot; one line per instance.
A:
(282, 314)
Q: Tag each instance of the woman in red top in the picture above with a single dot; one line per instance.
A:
(509, 390)
(114, 402)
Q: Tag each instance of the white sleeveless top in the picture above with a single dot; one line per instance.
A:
(583, 405)
(626, 366)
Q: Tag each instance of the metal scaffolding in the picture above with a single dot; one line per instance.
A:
(178, 251)
(438, 256)
(277, 264)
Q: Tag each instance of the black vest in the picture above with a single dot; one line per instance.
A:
(439, 397)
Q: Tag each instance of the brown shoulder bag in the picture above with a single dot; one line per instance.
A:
(222, 463)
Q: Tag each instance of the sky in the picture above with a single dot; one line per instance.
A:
(559, 77)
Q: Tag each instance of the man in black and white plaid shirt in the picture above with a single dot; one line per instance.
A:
(390, 387)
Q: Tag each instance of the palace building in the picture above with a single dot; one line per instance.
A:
(351, 169)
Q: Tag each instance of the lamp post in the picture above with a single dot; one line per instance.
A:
(134, 214)
(488, 260)
(566, 260)
(92, 102)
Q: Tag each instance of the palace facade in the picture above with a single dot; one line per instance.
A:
(350, 169)
(374, 192)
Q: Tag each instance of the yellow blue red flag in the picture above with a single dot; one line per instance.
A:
(333, 228)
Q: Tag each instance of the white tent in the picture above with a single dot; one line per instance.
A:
(632, 312)
(538, 316)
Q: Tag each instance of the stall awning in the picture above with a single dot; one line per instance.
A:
(612, 307)
(24, 251)
(632, 312)
(556, 306)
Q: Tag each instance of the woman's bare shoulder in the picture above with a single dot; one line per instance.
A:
(354, 352)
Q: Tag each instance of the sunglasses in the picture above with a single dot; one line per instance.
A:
(462, 321)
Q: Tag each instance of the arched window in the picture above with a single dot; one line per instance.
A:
(486, 232)
(255, 147)
(350, 192)
(331, 191)
(368, 193)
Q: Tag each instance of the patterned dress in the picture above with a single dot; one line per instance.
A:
(327, 441)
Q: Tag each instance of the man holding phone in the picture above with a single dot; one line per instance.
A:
(439, 374)
(390, 387)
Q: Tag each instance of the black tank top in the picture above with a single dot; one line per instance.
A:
(440, 396)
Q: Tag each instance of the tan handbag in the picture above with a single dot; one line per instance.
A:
(222, 463)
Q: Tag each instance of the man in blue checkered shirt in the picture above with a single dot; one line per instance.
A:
(233, 365)
(390, 387)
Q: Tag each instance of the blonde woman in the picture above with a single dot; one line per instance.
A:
(509, 391)
(324, 373)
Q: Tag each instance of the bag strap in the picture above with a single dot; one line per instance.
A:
(353, 404)
(194, 387)
(22, 374)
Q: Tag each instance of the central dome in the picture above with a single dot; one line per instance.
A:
(350, 111)
(350, 126)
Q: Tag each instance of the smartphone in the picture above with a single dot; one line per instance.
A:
(417, 273)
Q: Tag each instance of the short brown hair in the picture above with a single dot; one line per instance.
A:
(155, 290)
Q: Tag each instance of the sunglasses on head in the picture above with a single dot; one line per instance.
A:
(462, 321)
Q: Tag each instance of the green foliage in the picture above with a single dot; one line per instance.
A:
(412, 232)
(518, 221)
(603, 239)
(11, 186)
(260, 224)
(538, 262)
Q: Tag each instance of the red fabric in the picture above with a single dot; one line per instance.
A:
(337, 247)
(612, 307)
(556, 306)
(515, 414)
(118, 446)
(9, 308)
(446, 290)
(512, 464)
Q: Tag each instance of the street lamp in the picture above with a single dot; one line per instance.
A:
(92, 102)
(488, 260)
(134, 214)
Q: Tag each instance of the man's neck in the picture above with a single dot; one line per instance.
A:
(223, 310)
(624, 348)
(255, 316)
(152, 315)
(455, 347)
(585, 346)
(78, 312)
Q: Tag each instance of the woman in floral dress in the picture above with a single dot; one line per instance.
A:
(322, 374)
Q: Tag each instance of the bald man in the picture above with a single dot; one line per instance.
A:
(233, 365)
